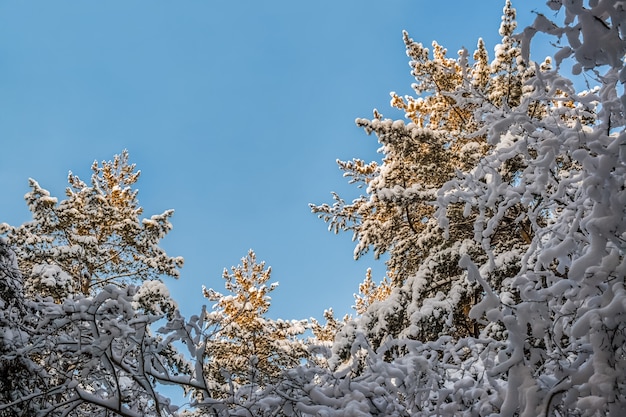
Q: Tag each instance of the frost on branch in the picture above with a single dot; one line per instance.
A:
(153, 297)
(94, 236)
(15, 377)
(566, 324)
(85, 356)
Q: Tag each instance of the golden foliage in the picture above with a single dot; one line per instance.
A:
(327, 331)
(114, 180)
(369, 292)
(247, 347)
(439, 76)
(249, 299)
(95, 235)
(445, 137)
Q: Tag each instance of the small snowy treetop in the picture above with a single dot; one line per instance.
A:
(95, 235)
(244, 346)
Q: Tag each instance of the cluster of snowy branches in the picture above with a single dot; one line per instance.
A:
(501, 203)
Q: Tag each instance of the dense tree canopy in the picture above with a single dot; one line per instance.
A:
(445, 137)
(500, 200)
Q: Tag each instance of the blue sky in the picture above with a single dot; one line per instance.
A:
(234, 111)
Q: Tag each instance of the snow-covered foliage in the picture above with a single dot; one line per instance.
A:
(525, 240)
(14, 371)
(154, 297)
(566, 333)
(427, 294)
(94, 237)
(51, 280)
(244, 347)
(76, 335)
(502, 206)
(86, 356)
(98, 354)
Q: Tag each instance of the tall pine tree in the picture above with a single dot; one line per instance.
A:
(446, 135)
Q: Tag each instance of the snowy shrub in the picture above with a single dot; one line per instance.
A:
(153, 297)
(50, 280)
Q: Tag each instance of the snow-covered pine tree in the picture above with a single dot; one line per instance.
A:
(89, 349)
(445, 136)
(92, 238)
(554, 166)
(244, 349)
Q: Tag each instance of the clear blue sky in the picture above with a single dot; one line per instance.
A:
(234, 111)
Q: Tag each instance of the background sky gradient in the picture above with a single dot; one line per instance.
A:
(234, 111)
